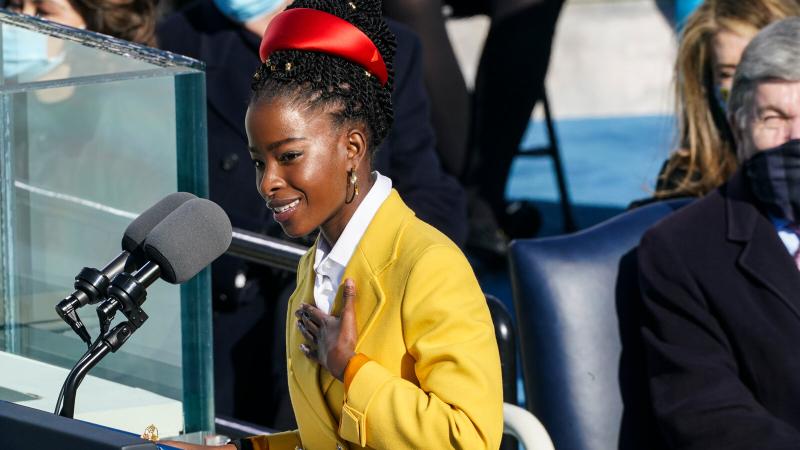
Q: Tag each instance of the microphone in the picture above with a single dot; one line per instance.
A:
(91, 284)
(136, 233)
(178, 247)
(185, 242)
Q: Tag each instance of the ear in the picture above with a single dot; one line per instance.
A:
(357, 146)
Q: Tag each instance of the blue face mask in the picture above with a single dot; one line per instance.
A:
(242, 11)
(25, 54)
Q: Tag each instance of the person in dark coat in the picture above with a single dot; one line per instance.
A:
(246, 297)
(720, 278)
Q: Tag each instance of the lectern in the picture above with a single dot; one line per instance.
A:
(92, 133)
(27, 428)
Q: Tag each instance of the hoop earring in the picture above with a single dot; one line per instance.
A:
(352, 179)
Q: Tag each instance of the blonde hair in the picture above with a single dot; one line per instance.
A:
(707, 157)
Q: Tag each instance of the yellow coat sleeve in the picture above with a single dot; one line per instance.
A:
(449, 333)
(287, 440)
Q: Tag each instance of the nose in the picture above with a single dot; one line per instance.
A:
(271, 180)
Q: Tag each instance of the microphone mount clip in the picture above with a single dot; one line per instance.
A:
(90, 284)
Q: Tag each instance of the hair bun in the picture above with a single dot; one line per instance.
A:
(321, 78)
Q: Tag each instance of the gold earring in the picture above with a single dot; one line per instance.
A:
(352, 179)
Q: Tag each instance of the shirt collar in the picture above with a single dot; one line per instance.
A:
(332, 261)
(786, 233)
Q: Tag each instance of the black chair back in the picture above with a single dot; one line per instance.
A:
(507, 345)
(577, 301)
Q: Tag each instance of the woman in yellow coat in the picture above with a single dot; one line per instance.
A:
(389, 340)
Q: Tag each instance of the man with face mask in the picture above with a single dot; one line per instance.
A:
(721, 277)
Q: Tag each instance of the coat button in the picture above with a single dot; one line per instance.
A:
(339, 447)
(229, 162)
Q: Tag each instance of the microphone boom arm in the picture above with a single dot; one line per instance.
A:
(128, 292)
(111, 342)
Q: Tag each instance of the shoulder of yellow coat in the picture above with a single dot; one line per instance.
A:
(393, 224)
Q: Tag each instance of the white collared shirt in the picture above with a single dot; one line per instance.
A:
(329, 263)
(787, 234)
(790, 241)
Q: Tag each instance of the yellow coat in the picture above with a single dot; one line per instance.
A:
(434, 379)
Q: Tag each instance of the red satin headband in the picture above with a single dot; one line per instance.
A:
(312, 30)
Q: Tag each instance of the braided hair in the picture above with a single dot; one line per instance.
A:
(322, 80)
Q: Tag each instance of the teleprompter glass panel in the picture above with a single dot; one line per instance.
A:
(93, 131)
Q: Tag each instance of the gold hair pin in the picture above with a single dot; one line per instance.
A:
(352, 5)
(288, 66)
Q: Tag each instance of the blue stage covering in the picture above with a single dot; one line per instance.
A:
(610, 161)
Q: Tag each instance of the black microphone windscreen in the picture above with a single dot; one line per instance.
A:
(189, 239)
(141, 226)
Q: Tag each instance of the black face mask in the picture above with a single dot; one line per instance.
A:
(774, 177)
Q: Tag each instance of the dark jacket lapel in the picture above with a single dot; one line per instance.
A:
(763, 255)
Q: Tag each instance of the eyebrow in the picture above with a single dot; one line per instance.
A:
(770, 108)
(277, 144)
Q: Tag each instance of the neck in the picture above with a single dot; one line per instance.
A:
(332, 229)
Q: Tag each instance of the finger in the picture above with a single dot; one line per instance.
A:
(349, 292)
(306, 334)
(309, 352)
(314, 314)
(310, 326)
(349, 297)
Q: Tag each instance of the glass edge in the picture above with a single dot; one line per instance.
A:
(7, 285)
(196, 315)
(96, 79)
(100, 41)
